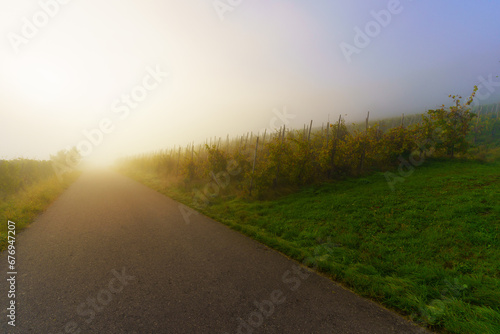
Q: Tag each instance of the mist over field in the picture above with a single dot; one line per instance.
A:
(119, 78)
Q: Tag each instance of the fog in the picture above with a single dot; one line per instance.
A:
(118, 78)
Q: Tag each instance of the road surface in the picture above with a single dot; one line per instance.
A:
(113, 256)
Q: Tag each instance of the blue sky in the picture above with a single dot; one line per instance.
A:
(229, 76)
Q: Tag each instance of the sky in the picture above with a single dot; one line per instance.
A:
(125, 77)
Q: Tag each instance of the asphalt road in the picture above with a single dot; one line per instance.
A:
(113, 256)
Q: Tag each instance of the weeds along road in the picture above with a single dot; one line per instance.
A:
(113, 256)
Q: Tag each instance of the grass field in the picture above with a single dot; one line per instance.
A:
(429, 249)
(24, 205)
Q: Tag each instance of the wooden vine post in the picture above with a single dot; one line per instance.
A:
(334, 148)
(309, 134)
(280, 140)
(327, 133)
(363, 151)
(178, 160)
(477, 121)
(254, 162)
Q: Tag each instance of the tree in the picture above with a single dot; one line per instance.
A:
(454, 123)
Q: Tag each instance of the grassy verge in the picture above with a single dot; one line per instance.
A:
(430, 249)
(26, 204)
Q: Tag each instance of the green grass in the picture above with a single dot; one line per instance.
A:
(23, 206)
(430, 249)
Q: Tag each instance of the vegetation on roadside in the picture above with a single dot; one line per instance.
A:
(262, 166)
(27, 187)
(21, 173)
(429, 249)
(426, 245)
